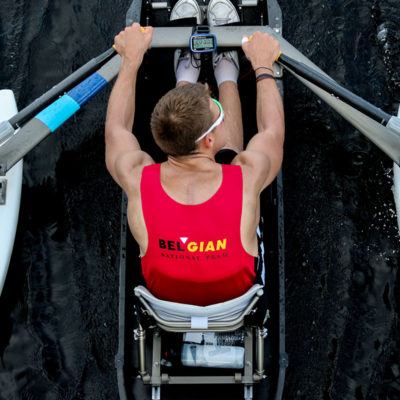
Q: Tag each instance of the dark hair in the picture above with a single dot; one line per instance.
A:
(180, 117)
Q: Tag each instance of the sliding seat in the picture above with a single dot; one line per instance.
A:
(164, 316)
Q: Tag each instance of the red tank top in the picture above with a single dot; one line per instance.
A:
(195, 254)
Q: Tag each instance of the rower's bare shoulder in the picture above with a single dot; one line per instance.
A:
(129, 169)
(255, 166)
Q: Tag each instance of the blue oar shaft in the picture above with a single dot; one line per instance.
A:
(63, 108)
(54, 115)
(59, 89)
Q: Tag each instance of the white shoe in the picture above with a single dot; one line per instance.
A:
(231, 56)
(189, 60)
(187, 9)
(221, 12)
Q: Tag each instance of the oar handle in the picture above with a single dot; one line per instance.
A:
(68, 83)
(334, 89)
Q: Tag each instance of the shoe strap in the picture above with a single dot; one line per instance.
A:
(221, 21)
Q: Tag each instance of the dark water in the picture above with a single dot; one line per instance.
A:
(59, 307)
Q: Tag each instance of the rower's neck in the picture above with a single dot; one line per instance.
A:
(193, 161)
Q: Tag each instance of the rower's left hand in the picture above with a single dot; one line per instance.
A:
(133, 42)
(261, 49)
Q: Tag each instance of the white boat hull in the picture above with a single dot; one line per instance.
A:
(396, 187)
(13, 180)
(396, 191)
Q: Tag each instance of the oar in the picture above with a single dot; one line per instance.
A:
(54, 115)
(7, 128)
(335, 89)
(107, 64)
(380, 127)
(72, 80)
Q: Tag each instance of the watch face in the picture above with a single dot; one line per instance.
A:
(203, 43)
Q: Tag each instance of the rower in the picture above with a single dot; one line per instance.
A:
(195, 216)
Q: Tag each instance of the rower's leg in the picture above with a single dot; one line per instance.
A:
(186, 65)
(226, 71)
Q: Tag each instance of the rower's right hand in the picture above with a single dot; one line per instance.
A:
(133, 42)
(261, 50)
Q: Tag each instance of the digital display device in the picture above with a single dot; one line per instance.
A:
(203, 43)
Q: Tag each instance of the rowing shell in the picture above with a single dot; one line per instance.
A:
(10, 194)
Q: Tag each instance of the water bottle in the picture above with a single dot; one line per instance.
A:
(212, 356)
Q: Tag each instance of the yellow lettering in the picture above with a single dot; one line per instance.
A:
(207, 246)
(192, 246)
(221, 244)
(210, 246)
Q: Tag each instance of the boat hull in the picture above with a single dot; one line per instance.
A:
(11, 185)
(396, 187)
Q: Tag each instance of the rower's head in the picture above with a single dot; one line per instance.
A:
(181, 117)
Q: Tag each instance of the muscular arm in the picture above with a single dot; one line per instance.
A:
(123, 151)
(264, 152)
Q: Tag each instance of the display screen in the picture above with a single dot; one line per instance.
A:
(203, 43)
